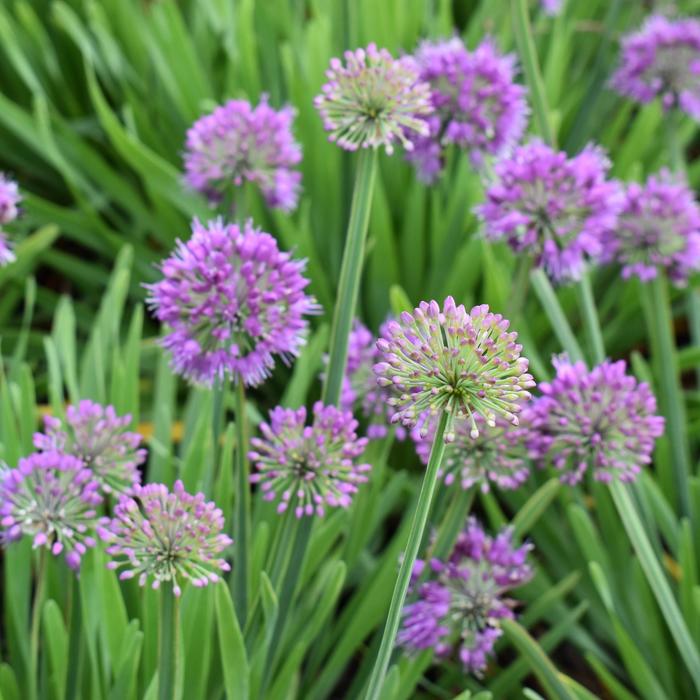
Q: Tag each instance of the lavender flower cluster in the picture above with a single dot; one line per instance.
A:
(9, 210)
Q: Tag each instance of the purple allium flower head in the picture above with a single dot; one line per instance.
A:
(51, 497)
(165, 535)
(552, 7)
(478, 106)
(459, 607)
(662, 60)
(659, 228)
(600, 420)
(554, 207)
(9, 199)
(99, 437)
(497, 456)
(233, 301)
(466, 363)
(240, 143)
(312, 466)
(373, 100)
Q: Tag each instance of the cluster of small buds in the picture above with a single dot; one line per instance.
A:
(9, 210)
(662, 60)
(309, 467)
(498, 455)
(553, 207)
(464, 363)
(100, 439)
(239, 143)
(478, 105)
(167, 536)
(52, 498)
(658, 229)
(373, 100)
(460, 605)
(602, 421)
(233, 301)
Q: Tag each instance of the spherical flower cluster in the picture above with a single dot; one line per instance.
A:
(659, 228)
(460, 606)
(662, 60)
(600, 420)
(233, 301)
(99, 438)
(553, 207)
(309, 467)
(465, 363)
(478, 105)
(167, 536)
(9, 210)
(497, 455)
(373, 100)
(239, 143)
(52, 498)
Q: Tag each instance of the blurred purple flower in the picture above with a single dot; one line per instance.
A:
(232, 301)
(239, 143)
(460, 606)
(169, 536)
(552, 7)
(600, 420)
(52, 498)
(373, 100)
(553, 207)
(310, 467)
(9, 210)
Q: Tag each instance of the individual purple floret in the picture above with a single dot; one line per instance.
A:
(309, 467)
(496, 456)
(239, 143)
(602, 421)
(465, 363)
(662, 59)
(232, 301)
(460, 607)
(659, 228)
(373, 100)
(99, 437)
(553, 207)
(478, 105)
(166, 536)
(52, 498)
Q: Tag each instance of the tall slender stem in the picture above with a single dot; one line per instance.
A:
(350, 274)
(420, 518)
(39, 593)
(168, 656)
(590, 318)
(242, 514)
(75, 659)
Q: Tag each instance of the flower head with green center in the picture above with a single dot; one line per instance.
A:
(373, 100)
(465, 363)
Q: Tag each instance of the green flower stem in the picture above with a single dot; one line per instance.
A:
(350, 274)
(37, 606)
(531, 69)
(663, 349)
(420, 518)
(657, 580)
(557, 317)
(168, 657)
(75, 659)
(239, 580)
(590, 318)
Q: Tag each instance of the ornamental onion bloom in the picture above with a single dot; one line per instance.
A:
(167, 536)
(309, 467)
(239, 143)
(373, 100)
(552, 7)
(9, 210)
(52, 498)
(478, 105)
(496, 456)
(100, 439)
(465, 363)
(232, 301)
(659, 228)
(461, 604)
(600, 420)
(553, 207)
(662, 59)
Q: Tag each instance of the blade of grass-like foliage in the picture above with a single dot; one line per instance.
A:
(234, 659)
(126, 667)
(535, 507)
